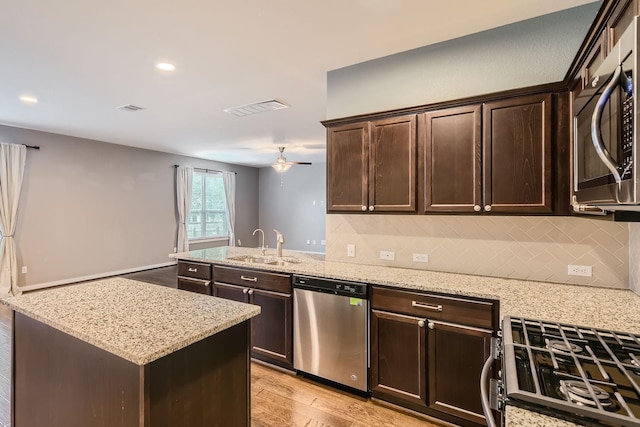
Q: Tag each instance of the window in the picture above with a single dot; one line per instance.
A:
(208, 214)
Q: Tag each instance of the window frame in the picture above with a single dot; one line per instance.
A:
(204, 211)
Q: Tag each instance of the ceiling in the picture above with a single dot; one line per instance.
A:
(83, 58)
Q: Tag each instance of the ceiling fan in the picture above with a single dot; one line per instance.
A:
(282, 165)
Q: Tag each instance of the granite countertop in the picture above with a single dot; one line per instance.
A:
(137, 321)
(615, 309)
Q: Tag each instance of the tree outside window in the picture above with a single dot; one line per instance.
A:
(208, 216)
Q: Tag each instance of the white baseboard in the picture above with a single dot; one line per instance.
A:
(94, 276)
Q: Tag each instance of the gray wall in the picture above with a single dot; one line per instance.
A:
(526, 53)
(90, 208)
(289, 206)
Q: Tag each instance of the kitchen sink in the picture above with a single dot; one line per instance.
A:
(269, 260)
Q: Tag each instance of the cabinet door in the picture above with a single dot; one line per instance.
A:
(272, 329)
(347, 167)
(451, 147)
(620, 20)
(398, 358)
(517, 155)
(456, 356)
(392, 165)
(232, 292)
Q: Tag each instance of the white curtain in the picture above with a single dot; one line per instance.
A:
(229, 179)
(184, 185)
(12, 161)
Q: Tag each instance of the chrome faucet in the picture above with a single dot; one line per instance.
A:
(263, 250)
(280, 241)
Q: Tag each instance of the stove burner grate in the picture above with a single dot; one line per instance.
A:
(558, 346)
(578, 393)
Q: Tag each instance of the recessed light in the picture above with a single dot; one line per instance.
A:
(29, 99)
(165, 66)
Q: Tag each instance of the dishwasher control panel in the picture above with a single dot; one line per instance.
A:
(336, 287)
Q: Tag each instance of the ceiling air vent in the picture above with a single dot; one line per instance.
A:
(130, 107)
(257, 107)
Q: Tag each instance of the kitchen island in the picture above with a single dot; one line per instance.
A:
(118, 352)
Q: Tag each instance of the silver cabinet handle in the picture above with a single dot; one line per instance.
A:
(193, 270)
(250, 291)
(364, 208)
(477, 208)
(431, 325)
(487, 208)
(421, 323)
(484, 394)
(249, 278)
(245, 290)
(618, 78)
(431, 307)
(370, 208)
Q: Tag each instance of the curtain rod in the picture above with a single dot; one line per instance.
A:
(207, 170)
(33, 147)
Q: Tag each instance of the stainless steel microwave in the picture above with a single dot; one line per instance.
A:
(606, 131)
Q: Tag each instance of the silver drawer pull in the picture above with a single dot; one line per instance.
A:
(193, 270)
(417, 304)
(249, 279)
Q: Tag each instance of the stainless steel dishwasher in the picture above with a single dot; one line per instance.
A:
(330, 330)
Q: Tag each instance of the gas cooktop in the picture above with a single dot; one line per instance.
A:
(588, 375)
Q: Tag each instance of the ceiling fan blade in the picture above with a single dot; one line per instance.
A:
(300, 163)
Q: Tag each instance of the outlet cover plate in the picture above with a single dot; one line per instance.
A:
(580, 270)
(387, 255)
(351, 250)
(420, 257)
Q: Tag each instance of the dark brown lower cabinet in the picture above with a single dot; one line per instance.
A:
(272, 329)
(422, 359)
(455, 359)
(398, 363)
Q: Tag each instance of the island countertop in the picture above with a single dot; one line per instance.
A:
(137, 321)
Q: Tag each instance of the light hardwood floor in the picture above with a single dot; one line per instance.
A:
(278, 398)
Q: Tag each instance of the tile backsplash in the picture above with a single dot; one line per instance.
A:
(634, 257)
(518, 247)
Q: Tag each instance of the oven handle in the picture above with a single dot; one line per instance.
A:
(484, 392)
(618, 78)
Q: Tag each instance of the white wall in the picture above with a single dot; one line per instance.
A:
(90, 208)
(294, 203)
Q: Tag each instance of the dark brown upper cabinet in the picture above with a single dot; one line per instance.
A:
(451, 159)
(495, 157)
(517, 155)
(371, 166)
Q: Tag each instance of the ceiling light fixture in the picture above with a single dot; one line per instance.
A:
(165, 66)
(256, 107)
(282, 165)
(29, 99)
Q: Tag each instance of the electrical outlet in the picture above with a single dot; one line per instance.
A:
(308, 242)
(175, 249)
(351, 250)
(24, 269)
(580, 270)
(323, 242)
(387, 255)
(420, 257)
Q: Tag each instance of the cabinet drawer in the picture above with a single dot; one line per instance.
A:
(195, 285)
(253, 279)
(194, 269)
(435, 307)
